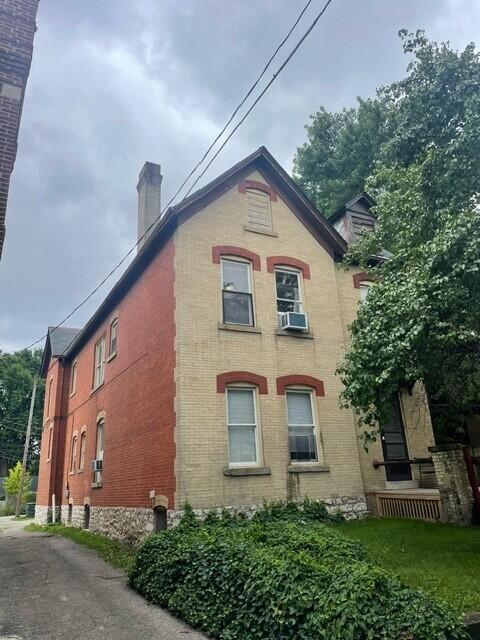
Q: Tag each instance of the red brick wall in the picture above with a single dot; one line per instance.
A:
(51, 470)
(137, 398)
(17, 29)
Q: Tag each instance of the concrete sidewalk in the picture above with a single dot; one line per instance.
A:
(54, 589)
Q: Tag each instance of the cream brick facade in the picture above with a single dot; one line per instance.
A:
(203, 350)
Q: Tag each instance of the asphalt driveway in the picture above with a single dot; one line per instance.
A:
(54, 589)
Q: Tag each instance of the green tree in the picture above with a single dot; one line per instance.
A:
(332, 166)
(12, 482)
(421, 321)
(17, 371)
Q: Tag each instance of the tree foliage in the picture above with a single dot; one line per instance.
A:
(421, 321)
(12, 482)
(17, 371)
(331, 167)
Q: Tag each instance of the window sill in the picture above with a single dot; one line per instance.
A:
(95, 389)
(247, 471)
(308, 467)
(238, 327)
(308, 335)
(96, 485)
(264, 232)
(111, 357)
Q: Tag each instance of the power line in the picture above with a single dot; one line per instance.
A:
(275, 75)
(237, 109)
(260, 96)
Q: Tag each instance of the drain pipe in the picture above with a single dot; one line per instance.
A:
(53, 508)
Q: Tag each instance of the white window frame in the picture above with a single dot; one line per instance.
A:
(73, 454)
(97, 476)
(364, 285)
(248, 263)
(113, 326)
(73, 384)
(316, 433)
(82, 451)
(258, 449)
(299, 274)
(99, 363)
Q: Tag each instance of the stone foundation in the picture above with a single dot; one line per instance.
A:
(133, 524)
(43, 514)
(453, 484)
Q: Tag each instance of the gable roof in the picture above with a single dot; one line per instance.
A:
(260, 160)
(58, 342)
(361, 197)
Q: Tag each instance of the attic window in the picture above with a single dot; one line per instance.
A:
(259, 210)
(362, 225)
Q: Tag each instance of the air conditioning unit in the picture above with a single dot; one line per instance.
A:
(294, 321)
(97, 465)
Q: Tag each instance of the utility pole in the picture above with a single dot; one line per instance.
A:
(18, 506)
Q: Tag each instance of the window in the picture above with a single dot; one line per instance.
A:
(237, 293)
(259, 211)
(73, 455)
(73, 384)
(99, 371)
(364, 289)
(289, 297)
(49, 398)
(113, 337)
(301, 426)
(242, 426)
(97, 474)
(83, 441)
(50, 442)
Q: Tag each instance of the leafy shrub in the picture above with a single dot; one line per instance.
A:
(279, 580)
(300, 511)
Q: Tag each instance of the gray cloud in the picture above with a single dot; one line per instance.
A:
(115, 83)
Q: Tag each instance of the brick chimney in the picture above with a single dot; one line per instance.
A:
(149, 203)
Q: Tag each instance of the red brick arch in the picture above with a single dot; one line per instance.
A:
(229, 250)
(288, 381)
(358, 278)
(223, 379)
(288, 261)
(259, 186)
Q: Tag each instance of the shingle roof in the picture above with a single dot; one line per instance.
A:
(60, 339)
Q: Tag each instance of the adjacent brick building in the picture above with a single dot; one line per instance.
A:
(17, 30)
(191, 384)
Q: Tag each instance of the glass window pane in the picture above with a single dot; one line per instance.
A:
(364, 288)
(242, 444)
(299, 408)
(237, 308)
(235, 276)
(302, 445)
(287, 285)
(240, 406)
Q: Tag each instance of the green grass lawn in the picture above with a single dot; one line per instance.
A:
(443, 560)
(112, 551)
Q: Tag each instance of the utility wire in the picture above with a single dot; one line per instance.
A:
(260, 96)
(275, 75)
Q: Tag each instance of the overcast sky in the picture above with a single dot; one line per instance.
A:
(114, 83)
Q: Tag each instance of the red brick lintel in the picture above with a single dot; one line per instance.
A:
(223, 379)
(287, 381)
(226, 250)
(259, 186)
(287, 261)
(362, 277)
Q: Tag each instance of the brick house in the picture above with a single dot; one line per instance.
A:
(17, 30)
(207, 375)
